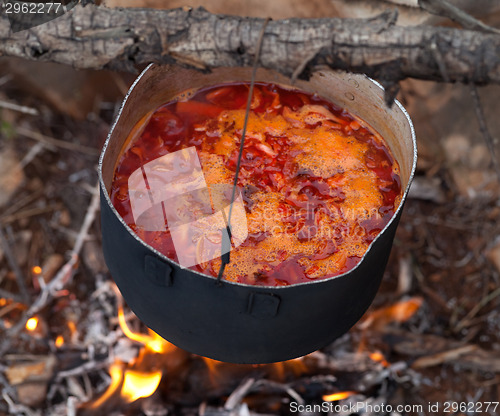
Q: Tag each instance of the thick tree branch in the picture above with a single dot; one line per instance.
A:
(97, 37)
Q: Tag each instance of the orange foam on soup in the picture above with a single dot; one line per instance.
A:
(317, 184)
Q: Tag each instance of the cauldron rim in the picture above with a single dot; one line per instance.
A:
(229, 282)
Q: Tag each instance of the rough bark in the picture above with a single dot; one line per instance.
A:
(97, 37)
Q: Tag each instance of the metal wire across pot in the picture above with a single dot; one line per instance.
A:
(235, 322)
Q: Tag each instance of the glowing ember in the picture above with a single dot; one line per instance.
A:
(379, 358)
(341, 395)
(36, 270)
(59, 341)
(137, 384)
(31, 324)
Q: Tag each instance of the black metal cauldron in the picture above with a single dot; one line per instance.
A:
(234, 322)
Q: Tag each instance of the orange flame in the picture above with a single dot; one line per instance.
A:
(297, 365)
(211, 364)
(134, 384)
(36, 270)
(279, 369)
(341, 395)
(31, 324)
(137, 384)
(151, 341)
(116, 373)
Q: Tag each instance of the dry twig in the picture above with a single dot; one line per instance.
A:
(483, 127)
(443, 357)
(29, 212)
(51, 141)
(237, 396)
(445, 9)
(474, 311)
(235, 400)
(20, 108)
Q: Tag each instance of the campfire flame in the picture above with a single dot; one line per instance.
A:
(212, 366)
(152, 341)
(116, 374)
(295, 365)
(141, 377)
(341, 395)
(133, 383)
(137, 384)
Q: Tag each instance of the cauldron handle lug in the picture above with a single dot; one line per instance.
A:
(263, 305)
(157, 271)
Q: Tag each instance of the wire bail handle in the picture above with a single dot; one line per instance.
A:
(226, 233)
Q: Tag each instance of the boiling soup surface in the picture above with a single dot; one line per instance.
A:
(315, 187)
